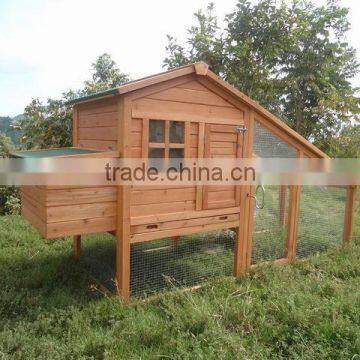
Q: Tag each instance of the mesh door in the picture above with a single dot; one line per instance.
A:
(321, 219)
(270, 222)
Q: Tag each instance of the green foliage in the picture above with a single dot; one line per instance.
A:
(6, 127)
(10, 203)
(9, 195)
(6, 145)
(51, 308)
(105, 75)
(204, 43)
(345, 145)
(291, 57)
(46, 125)
(49, 125)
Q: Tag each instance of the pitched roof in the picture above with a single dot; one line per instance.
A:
(202, 69)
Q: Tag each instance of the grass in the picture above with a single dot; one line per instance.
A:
(51, 309)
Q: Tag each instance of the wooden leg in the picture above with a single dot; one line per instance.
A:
(77, 246)
(123, 266)
(349, 219)
(176, 241)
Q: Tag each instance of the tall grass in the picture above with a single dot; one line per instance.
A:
(51, 309)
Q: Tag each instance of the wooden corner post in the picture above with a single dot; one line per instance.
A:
(349, 219)
(123, 203)
(293, 219)
(243, 240)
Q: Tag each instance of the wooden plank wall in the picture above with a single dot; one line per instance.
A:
(97, 124)
(63, 211)
(186, 102)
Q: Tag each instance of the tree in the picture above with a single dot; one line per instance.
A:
(6, 145)
(345, 145)
(204, 43)
(292, 58)
(49, 125)
(105, 75)
(9, 195)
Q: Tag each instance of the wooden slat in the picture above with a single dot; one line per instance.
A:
(193, 85)
(80, 211)
(136, 125)
(98, 120)
(167, 138)
(75, 126)
(37, 208)
(99, 133)
(187, 140)
(183, 231)
(98, 144)
(35, 192)
(165, 110)
(194, 128)
(84, 226)
(153, 218)
(221, 195)
(145, 139)
(223, 137)
(156, 196)
(184, 95)
(221, 204)
(200, 187)
(58, 197)
(207, 143)
(160, 208)
(98, 106)
(178, 224)
(33, 219)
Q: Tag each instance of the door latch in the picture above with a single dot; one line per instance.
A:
(241, 129)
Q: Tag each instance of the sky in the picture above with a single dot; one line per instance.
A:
(47, 46)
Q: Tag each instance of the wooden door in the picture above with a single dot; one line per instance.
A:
(222, 141)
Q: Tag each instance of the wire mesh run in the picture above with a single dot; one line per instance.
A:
(161, 265)
(270, 223)
(321, 219)
(187, 261)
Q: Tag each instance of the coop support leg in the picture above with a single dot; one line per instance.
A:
(77, 247)
(176, 241)
(292, 224)
(243, 233)
(123, 243)
(349, 213)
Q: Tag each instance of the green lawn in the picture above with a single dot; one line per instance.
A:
(50, 308)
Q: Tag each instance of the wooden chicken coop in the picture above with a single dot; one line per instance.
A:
(188, 112)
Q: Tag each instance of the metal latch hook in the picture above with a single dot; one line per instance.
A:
(258, 204)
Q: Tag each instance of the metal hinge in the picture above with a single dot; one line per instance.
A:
(241, 129)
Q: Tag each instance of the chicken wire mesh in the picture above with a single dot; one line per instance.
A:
(270, 221)
(321, 219)
(165, 264)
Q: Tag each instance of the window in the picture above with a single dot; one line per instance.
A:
(166, 139)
